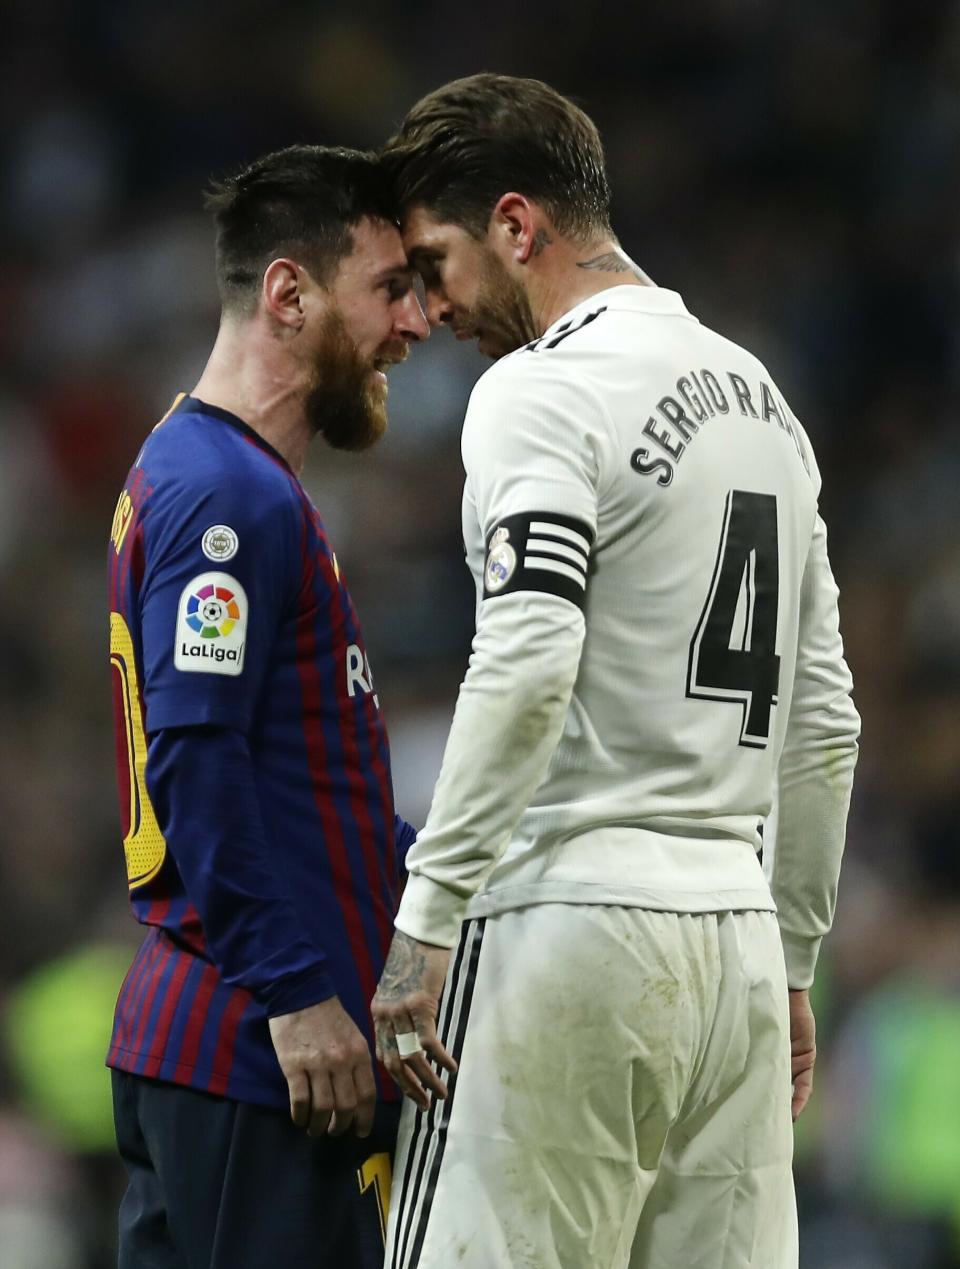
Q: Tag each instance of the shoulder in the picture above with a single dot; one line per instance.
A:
(191, 458)
(208, 480)
(554, 386)
(532, 409)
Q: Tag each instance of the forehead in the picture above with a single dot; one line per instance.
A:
(422, 232)
(377, 248)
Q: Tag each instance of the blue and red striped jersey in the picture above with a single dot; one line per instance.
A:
(253, 763)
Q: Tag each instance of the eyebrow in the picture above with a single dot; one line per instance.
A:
(402, 272)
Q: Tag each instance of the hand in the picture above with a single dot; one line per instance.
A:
(326, 1062)
(407, 1001)
(803, 1049)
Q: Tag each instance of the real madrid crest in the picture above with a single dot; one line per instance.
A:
(501, 560)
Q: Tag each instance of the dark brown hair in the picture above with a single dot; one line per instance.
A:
(299, 202)
(463, 146)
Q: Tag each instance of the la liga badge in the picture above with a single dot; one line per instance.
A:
(211, 625)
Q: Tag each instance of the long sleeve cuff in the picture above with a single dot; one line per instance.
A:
(430, 912)
(297, 991)
(800, 952)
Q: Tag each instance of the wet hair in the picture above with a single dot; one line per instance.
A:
(299, 202)
(463, 146)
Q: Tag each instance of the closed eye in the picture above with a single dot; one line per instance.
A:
(427, 264)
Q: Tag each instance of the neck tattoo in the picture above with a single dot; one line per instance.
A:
(611, 262)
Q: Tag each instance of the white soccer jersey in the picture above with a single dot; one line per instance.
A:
(657, 639)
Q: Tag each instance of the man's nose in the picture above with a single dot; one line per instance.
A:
(413, 323)
(439, 309)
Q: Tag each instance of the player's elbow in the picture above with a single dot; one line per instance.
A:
(548, 688)
(825, 720)
(532, 685)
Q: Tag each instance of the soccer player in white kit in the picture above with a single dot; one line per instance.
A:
(657, 663)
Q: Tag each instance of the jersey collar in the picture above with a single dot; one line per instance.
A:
(656, 300)
(193, 405)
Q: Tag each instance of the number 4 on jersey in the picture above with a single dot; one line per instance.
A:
(733, 651)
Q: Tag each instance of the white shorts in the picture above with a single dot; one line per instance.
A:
(623, 1098)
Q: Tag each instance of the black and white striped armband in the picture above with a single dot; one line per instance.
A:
(538, 550)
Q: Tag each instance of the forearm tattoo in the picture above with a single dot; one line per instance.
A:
(403, 972)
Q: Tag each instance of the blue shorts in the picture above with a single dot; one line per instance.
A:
(220, 1184)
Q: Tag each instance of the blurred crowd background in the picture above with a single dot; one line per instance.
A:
(792, 170)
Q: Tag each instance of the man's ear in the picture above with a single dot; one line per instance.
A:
(281, 292)
(513, 226)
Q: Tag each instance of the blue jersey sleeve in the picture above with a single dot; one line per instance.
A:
(221, 566)
(404, 835)
(202, 786)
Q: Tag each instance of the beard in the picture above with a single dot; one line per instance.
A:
(347, 402)
(501, 315)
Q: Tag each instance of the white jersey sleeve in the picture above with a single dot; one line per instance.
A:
(534, 451)
(815, 775)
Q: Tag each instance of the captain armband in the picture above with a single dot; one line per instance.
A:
(538, 550)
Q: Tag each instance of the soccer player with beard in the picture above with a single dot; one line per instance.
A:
(263, 852)
(657, 658)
